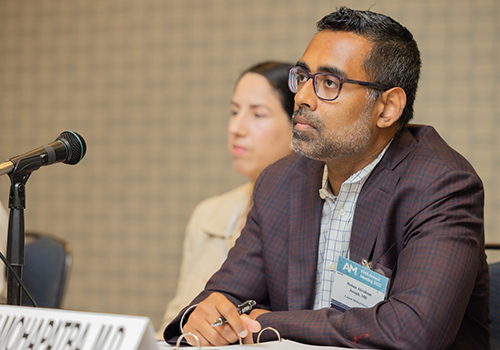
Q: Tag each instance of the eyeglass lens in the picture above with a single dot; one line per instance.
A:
(326, 85)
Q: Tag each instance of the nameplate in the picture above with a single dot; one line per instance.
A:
(32, 328)
(356, 286)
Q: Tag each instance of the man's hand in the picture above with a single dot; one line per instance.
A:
(213, 307)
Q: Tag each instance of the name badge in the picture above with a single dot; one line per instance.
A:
(357, 286)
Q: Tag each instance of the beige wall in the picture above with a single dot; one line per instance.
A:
(147, 84)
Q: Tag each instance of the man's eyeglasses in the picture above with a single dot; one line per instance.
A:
(326, 86)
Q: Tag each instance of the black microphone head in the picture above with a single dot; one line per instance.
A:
(75, 144)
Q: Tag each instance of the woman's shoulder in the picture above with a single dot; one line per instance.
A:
(233, 196)
(220, 208)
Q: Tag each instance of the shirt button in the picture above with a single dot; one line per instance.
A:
(332, 267)
(322, 195)
(342, 212)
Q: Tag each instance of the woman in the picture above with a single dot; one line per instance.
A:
(259, 133)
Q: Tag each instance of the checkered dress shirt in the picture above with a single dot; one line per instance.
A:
(336, 224)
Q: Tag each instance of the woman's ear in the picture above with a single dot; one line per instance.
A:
(393, 103)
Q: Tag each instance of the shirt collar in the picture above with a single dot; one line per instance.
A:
(359, 176)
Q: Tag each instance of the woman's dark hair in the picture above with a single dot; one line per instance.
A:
(276, 74)
(394, 59)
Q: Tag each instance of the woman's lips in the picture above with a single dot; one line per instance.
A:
(238, 150)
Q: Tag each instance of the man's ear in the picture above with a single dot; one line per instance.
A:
(393, 102)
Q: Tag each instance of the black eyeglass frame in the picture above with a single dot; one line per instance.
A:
(292, 82)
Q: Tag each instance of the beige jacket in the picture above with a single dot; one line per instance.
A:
(211, 232)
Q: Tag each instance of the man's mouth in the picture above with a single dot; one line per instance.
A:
(301, 123)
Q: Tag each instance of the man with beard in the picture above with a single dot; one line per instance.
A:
(366, 192)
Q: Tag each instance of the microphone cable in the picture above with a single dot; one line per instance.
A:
(23, 286)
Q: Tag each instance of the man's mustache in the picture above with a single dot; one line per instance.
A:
(308, 116)
(298, 112)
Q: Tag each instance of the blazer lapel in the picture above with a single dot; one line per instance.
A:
(369, 212)
(375, 195)
(305, 221)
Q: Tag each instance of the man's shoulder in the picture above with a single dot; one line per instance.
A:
(280, 177)
(430, 147)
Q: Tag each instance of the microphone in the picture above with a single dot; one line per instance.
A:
(69, 148)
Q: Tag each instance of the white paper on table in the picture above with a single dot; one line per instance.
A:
(284, 344)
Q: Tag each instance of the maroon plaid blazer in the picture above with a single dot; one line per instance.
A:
(420, 214)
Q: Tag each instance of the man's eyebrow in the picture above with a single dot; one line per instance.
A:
(324, 69)
(303, 65)
(333, 70)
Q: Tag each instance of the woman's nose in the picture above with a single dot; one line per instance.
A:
(238, 123)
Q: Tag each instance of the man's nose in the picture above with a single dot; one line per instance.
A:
(306, 97)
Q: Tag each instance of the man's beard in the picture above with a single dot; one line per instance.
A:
(322, 144)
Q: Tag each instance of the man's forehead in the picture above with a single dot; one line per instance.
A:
(334, 52)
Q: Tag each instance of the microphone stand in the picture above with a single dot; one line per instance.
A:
(15, 239)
